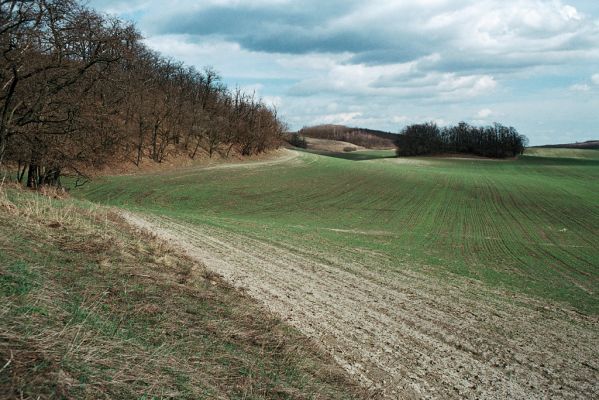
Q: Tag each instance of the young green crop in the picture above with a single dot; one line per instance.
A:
(529, 225)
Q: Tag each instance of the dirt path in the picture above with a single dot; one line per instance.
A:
(405, 335)
(281, 156)
(287, 155)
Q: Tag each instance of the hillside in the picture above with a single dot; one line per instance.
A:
(560, 152)
(368, 138)
(589, 144)
(331, 145)
(91, 308)
(113, 101)
(461, 278)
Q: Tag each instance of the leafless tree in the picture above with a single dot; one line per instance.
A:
(79, 89)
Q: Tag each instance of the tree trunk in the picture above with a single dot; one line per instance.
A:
(140, 142)
(21, 174)
(193, 155)
(32, 175)
(2, 146)
(155, 143)
(229, 149)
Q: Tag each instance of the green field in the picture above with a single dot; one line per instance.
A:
(528, 226)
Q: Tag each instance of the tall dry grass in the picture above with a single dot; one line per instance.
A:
(91, 309)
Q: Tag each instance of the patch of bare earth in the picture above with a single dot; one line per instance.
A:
(402, 334)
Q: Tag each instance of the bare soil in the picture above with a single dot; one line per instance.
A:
(405, 334)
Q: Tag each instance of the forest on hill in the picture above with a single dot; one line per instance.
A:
(368, 138)
(79, 90)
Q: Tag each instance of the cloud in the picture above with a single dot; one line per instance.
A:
(484, 113)
(580, 87)
(465, 33)
(339, 118)
(397, 81)
(387, 63)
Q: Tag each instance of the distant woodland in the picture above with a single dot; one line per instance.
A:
(589, 144)
(369, 138)
(496, 141)
(79, 90)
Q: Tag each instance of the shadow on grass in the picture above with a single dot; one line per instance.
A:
(361, 155)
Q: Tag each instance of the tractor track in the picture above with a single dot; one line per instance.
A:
(405, 334)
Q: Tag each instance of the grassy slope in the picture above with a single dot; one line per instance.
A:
(563, 152)
(530, 225)
(90, 309)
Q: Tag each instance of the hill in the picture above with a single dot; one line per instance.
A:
(589, 144)
(331, 145)
(459, 278)
(561, 152)
(368, 138)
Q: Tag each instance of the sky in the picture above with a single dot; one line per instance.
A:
(385, 64)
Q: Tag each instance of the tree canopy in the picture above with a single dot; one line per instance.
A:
(495, 141)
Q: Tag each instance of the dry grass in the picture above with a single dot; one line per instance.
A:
(332, 145)
(91, 309)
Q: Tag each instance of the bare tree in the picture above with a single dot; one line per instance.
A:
(79, 89)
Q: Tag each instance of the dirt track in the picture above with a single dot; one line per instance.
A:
(405, 335)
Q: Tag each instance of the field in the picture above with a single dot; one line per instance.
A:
(442, 277)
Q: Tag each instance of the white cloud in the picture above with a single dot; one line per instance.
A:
(595, 79)
(580, 87)
(484, 113)
(276, 101)
(340, 118)
(399, 119)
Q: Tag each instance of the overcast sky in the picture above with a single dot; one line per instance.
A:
(382, 64)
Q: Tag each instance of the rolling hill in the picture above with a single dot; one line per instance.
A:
(589, 144)
(452, 277)
(368, 138)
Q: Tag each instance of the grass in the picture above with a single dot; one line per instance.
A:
(90, 309)
(562, 152)
(525, 226)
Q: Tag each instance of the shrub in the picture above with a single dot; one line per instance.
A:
(298, 141)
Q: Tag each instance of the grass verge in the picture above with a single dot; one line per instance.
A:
(91, 309)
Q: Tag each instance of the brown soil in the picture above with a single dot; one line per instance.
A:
(404, 334)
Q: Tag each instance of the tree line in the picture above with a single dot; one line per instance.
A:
(79, 89)
(495, 141)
